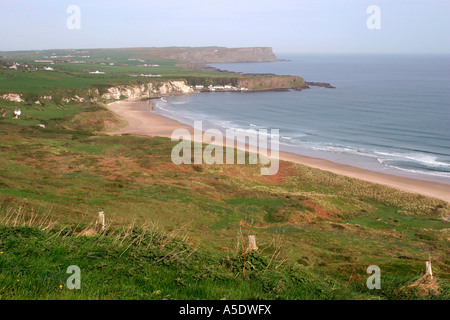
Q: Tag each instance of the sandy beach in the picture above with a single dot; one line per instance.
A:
(141, 121)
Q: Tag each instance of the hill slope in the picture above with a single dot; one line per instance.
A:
(317, 232)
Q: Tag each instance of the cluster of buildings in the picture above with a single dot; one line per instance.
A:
(147, 65)
(134, 59)
(17, 66)
(219, 88)
(143, 61)
(149, 75)
(44, 61)
(54, 56)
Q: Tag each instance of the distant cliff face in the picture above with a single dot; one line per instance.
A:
(218, 54)
(269, 82)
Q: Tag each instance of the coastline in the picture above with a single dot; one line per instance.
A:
(141, 121)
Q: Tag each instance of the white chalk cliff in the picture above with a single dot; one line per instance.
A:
(147, 90)
(141, 91)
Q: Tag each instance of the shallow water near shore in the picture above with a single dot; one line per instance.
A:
(388, 113)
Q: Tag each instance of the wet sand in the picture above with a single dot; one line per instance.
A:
(141, 121)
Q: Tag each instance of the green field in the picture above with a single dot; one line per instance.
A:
(67, 76)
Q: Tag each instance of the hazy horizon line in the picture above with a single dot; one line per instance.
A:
(219, 46)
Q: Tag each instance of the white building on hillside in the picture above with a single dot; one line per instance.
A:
(17, 113)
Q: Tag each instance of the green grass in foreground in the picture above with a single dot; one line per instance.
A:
(179, 232)
(147, 264)
(137, 264)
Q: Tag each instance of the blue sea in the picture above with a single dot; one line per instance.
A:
(388, 113)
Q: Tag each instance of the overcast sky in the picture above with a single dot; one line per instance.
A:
(336, 26)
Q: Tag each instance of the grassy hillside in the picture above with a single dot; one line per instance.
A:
(180, 232)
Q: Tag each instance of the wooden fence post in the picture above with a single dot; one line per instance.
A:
(428, 271)
(252, 243)
(101, 220)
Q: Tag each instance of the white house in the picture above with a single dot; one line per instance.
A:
(48, 68)
(44, 61)
(17, 113)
